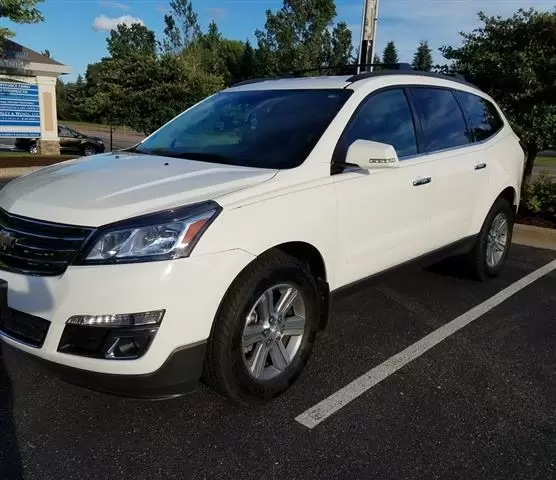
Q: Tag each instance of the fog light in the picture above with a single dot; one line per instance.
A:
(130, 347)
(118, 320)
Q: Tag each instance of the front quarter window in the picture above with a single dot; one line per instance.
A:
(265, 128)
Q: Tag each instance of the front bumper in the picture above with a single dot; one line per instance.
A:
(189, 290)
(178, 375)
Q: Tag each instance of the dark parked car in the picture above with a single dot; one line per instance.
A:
(71, 141)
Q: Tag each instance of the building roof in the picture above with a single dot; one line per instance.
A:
(17, 57)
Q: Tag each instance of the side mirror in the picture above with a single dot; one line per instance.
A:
(369, 155)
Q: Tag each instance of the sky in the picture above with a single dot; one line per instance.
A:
(75, 30)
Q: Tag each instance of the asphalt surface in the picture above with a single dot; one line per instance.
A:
(480, 405)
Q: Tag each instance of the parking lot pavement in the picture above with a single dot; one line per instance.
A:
(480, 404)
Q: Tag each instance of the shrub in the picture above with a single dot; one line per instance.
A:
(539, 196)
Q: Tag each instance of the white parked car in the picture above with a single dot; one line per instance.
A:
(211, 249)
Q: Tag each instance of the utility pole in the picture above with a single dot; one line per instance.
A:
(368, 33)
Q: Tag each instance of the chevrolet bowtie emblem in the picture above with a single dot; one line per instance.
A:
(7, 240)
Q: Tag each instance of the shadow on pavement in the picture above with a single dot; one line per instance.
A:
(10, 460)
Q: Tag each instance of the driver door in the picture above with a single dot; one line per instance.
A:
(384, 214)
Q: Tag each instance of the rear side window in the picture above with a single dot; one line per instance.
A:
(484, 120)
(441, 118)
(383, 117)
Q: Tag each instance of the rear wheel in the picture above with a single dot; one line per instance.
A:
(264, 331)
(488, 256)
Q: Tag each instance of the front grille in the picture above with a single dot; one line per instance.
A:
(24, 327)
(34, 247)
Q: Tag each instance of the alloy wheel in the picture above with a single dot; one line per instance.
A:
(497, 240)
(273, 332)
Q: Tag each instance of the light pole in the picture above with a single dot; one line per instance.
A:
(368, 33)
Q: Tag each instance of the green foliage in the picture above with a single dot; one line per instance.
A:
(135, 40)
(181, 27)
(139, 88)
(514, 60)
(341, 44)
(390, 54)
(19, 11)
(297, 38)
(422, 60)
(539, 196)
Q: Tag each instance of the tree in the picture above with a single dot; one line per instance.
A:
(248, 66)
(138, 87)
(181, 27)
(135, 40)
(298, 37)
(19, 11)
(341, 45)
(390, 54)
(519, 74)
(422, 60)
(211, 46)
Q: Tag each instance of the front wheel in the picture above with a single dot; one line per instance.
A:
(488, 256)
(89, 150)
(264, 331)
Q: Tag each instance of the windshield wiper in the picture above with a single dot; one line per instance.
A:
(201, 156)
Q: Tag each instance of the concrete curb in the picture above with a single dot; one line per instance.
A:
(534, 236)
(7, 174)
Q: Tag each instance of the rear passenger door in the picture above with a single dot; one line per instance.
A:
(446, 139)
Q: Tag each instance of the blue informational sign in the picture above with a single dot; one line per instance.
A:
(19, 110)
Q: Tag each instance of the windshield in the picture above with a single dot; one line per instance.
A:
(265, 129)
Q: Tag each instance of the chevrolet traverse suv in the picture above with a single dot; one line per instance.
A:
(212, 248)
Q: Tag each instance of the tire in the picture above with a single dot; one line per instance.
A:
(89, 150)
(479, 259)
(33, 149)
(230, 366)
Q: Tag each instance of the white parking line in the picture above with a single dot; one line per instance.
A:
(322, 410)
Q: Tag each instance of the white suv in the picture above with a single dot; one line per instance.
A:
(211, 249)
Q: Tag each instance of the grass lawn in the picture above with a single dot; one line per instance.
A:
(94, 126)
(545, 162)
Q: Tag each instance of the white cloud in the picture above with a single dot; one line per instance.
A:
(110, 4)
(105, 24)
(217, 13)
(407, 22)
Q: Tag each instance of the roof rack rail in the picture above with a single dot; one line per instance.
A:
(454, 77)
(251, 80)
(385, 69)
(349, 69)
(459, 76)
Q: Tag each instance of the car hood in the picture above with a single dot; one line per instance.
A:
(101, 189)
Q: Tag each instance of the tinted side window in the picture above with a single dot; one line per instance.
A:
(64, 132)
(384, 117)
(484, 120)
(441, 118)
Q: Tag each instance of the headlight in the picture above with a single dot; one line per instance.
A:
(163, 236)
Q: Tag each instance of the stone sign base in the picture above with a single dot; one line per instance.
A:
(49, 147)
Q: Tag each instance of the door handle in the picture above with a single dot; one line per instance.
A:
(422, 181)
(480, 166)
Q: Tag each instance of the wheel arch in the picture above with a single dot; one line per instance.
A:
(312, 257)
(510, 194)
(309, 254)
